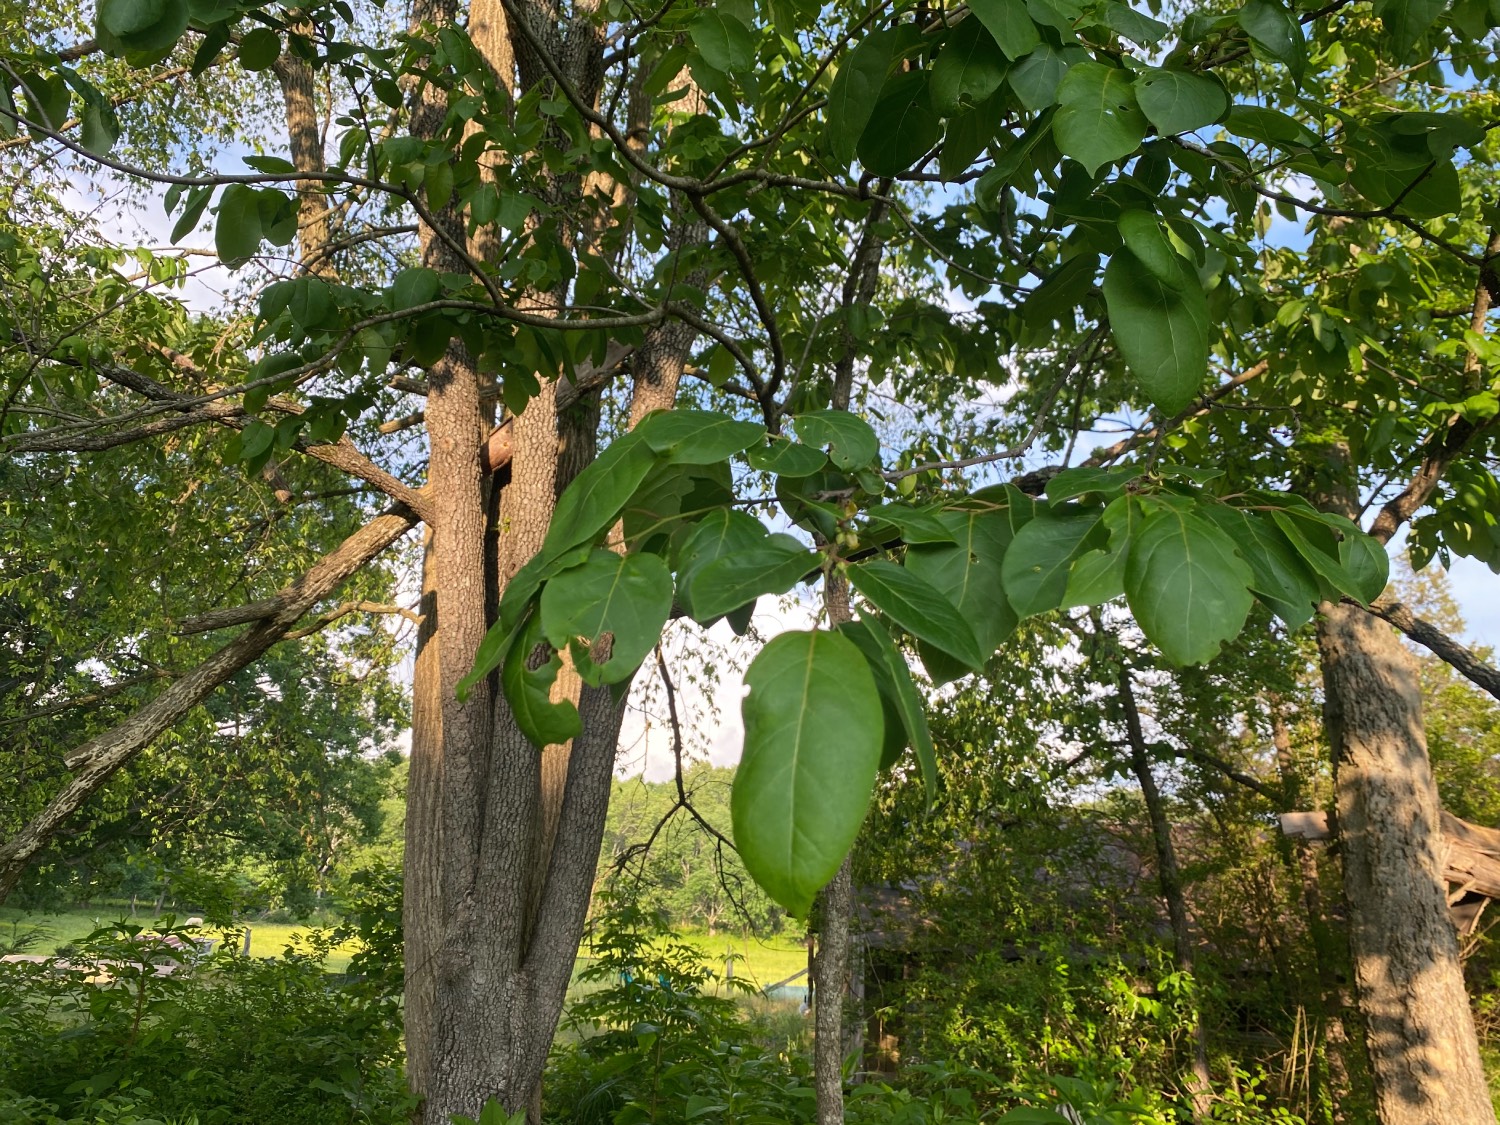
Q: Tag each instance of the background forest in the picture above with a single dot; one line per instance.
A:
(1025, 437)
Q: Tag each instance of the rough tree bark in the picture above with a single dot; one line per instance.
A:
(1424, 1053)
(1169, 881)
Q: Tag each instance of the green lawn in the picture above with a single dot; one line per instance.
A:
(760, 961)
(267, 939)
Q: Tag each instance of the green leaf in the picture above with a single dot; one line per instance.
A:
(1187, 588)
(724, 42)
(902, 127)
(1178, 102)
(610, 611)
(1406, 21)
(1097, 577)
(141, 25)
(813, 734)
(412, 287)
(1318, 545)
(968, 574)
(8, 114)
(259, 49)
(697, 437)
(1274, 29)
(197, 202)
(594, 500)
(527, 677)
(916, 525)
(850, 441)
(1009, 23)
(1363, 558)
(1145, 239)
(274, 165)
(237, 233)
(1136, 26)
(1097, 120)
(1084, 481)
(1036, 567)
(787, 458)
(894, 681)
(100, 127)
(970, 68)
(771, 567)
(1280, 577)
(1162, 330)
(912, 603)
(851, 98)
(719, 534)
(1036, 78)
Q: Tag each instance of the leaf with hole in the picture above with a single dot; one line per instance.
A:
(902, 127)
(813, 736)
(527, 676)
(1176, 101)
(850, 441)
(609, 612)
(969, 69)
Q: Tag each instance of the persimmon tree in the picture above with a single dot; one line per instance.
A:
(769, 211)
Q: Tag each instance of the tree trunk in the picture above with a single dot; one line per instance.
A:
(830, 980)
(1423, 1049)
(1169, 881)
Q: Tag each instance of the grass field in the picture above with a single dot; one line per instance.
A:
(267, 939)
(759, 961)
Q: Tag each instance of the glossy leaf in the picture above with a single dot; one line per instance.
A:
(894, 680)
(1281, 578)
(912, 603)
(610, 612)
(1097, 119)
(771, 567)
(1036, 567)
(850, 441)
(1162, 330)
(141, 25)
(968, 574)
(1187, 587)
(697, 437)
(813, 734)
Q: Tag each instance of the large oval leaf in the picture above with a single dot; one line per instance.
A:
(851, 443)
(727, 583)
(813, 732)
(968, 574)
(902, 127)
(1162, 330)
(851, 98)
(595, 498)
(898, 689)
(1036, 566)
(527, 678)
(1187, 588)
(970, 69)
(1098, 120)
(912, 603)
(610, 611)
(697, 437)
(720, 534)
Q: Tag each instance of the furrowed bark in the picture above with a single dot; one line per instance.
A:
(98, 759)
(314, 215)
(1440, 644)
(1423, 1050)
